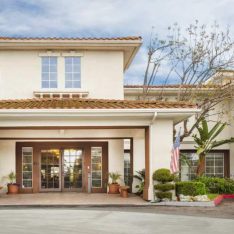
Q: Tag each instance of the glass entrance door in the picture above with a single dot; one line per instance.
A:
(72, 169)
(50, 170)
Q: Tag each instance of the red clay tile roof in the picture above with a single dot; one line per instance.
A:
(76, 103)
(129, 38)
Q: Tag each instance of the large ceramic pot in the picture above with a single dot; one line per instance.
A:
(113, 188)
(13, 188)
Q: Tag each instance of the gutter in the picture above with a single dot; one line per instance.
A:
(158, 110)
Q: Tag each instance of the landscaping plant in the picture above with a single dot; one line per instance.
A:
(12, 186)
(141, 177)
(217, 185)
(114, 186)
(205, 141)
(164, 178)
(190, 188)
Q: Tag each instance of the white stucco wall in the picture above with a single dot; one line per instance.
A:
(116, 158)
(7, 161)
(101, 74)
(138, 157)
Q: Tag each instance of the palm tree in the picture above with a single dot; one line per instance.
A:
(205, 141)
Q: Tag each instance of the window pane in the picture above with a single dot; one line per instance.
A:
(45, 76)
(53, 84)
(68, 60)
(68, 84)
(53, 68)
(45, 68)
(76, 84)
(68, 67)
(53, 76)
(53, 60)
(76, 60)
(68, 76)
(96, 183)
(76, 68)
(76, 76)
(49, 72)
(27, 183)
(45, 60)
(45, 84)
(72, 72)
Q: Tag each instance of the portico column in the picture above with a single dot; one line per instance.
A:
(158, 144)
(147, 164)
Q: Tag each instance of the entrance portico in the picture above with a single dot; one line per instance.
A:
(62, 134)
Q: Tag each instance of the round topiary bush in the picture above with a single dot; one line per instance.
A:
(164, 187)
(163, 175)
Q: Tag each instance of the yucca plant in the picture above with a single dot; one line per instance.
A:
(114, 176)
(205, 141)
(11, 177)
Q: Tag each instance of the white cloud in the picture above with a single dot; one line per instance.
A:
(109, 18)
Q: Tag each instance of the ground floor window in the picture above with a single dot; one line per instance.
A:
(214, 165)
(127, 168)
(27, 160)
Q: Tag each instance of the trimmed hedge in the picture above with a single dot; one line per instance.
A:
(217, 185)
(163, 175)
(190, 188)
(164, 187)
(163, 195)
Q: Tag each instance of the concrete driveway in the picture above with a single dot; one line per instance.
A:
(70, 221)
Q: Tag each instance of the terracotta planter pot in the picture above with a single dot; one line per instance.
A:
(13, 188)
(113, 188)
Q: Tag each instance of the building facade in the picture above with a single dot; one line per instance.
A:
(64, 123)
(219, 162)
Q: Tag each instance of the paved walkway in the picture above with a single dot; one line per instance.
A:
(63, 221)
(70, 198)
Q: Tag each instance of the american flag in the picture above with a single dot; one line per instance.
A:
(175, 154)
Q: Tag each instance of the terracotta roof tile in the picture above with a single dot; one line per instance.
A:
(76, 103)
(2, 38)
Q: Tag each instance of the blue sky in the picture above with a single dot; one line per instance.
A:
(109, 18)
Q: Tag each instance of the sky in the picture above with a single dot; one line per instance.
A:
(110, 18)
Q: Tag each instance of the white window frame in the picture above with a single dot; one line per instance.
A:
(22, 179)
(92, 167)
(72, 73)
(214, 166)
(49, 73)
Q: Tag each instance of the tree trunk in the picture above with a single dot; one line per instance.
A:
(201, 165)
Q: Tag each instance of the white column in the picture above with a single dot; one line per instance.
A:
(161, 141)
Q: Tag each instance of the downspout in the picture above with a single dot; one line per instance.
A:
(154, 117)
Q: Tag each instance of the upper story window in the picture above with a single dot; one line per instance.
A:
(72, 72)
(49, 72)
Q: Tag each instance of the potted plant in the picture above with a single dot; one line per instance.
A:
(114, 186)
(12, 186)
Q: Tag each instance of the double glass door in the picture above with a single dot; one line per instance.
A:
(61, 170)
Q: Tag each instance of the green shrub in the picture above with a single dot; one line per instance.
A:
(164, 187)
(163, 175)
(163, 195)
(190, 188)
(217, 185)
